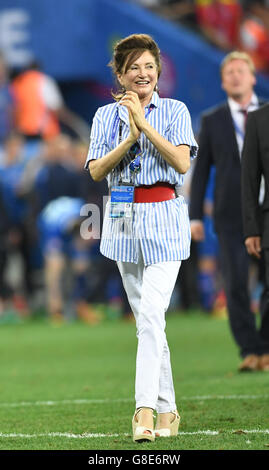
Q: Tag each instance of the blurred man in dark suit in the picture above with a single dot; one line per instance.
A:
(220, 144)
(255, 165)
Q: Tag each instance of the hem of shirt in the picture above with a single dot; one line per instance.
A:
(146, 262)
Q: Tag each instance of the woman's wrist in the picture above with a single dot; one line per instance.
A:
(130, 140)
(145, 126)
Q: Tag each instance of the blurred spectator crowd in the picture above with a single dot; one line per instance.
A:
(227, 24)
(46, 267)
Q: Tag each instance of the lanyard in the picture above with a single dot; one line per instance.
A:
(135, 164)
(119, 122)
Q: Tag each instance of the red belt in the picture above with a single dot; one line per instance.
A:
(157, 192)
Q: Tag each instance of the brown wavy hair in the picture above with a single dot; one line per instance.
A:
(128, 50)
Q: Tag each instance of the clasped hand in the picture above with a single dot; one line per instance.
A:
(136, 113)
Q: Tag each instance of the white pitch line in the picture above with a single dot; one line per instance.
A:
(64, 402)
(86, 401)
(68, 435)
(225, 397)
(59, 434)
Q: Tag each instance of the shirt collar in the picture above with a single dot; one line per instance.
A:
(155, 100)
(123, 113)
(234, 106)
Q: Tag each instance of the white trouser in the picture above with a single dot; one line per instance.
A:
(149, 290)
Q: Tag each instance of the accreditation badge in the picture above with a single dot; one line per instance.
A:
(121, 203)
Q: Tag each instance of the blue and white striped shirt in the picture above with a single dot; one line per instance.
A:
(162, 229)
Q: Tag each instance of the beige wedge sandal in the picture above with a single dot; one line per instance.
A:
(142, 433)
(171, 429)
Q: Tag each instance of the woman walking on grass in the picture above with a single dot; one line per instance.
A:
(143, 145)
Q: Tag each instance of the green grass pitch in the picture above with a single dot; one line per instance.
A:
(72, 387)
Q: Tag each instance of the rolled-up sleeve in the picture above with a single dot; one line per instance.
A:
(98, 143)
(180, 132)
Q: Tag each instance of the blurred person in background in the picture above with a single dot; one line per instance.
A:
(65, 253)
(227, 24)
(6, 104)
(219, 21)
(255, 164)
(106, 283)
(55, 174)
(235, 24)
(143, 144)
(5, 290)
(40, 108)
(198, 276)
(209, 284)
(186, 288)
(254, 33)
(48, 176)
(182, 11)
(261, 9)
(220, 144)
(17, 208)
(87, 189)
